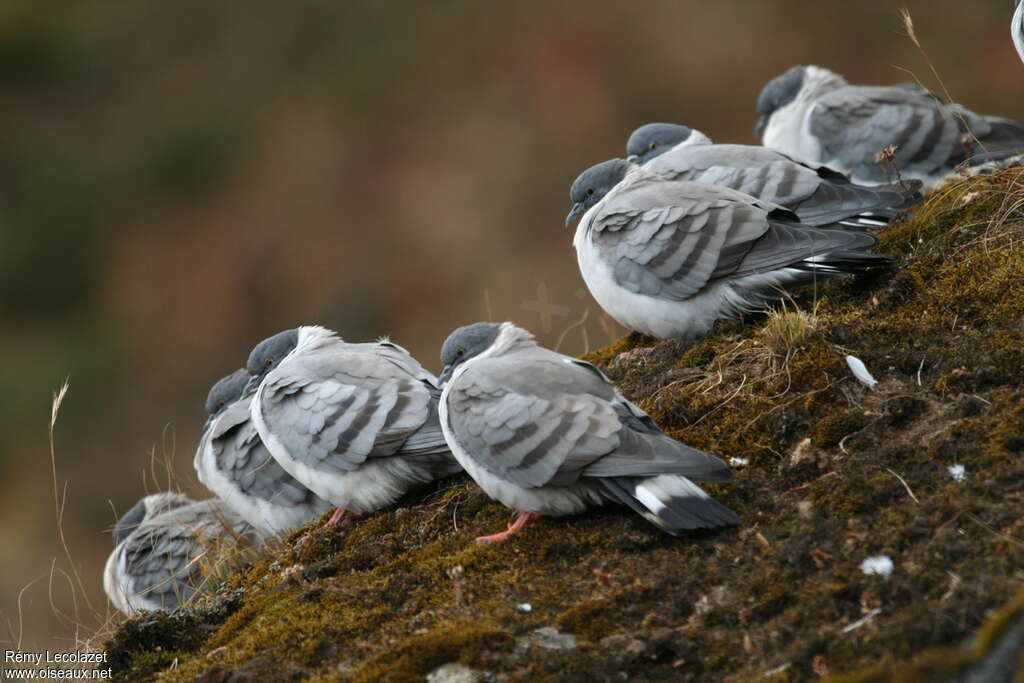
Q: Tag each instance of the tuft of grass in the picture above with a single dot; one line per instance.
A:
(789, 329)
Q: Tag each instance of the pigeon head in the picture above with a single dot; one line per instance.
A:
(147, 508)
(779, 92)
(267, 354)
(226, 391)
(655, 139)
(593, 184)
(466, 343)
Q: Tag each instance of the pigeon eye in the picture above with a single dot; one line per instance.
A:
(460, 352)
(270, 361)
(654, 145)
(590, 191)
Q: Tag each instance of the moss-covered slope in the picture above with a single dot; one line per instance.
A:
(834, 473)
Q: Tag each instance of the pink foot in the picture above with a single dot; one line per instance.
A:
(342, 516)
(522, 520)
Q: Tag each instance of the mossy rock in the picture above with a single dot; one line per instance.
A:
(835, 473)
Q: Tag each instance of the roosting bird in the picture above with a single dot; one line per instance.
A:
(873, 132)
(669, 258)
(546, 434)
(819, 196)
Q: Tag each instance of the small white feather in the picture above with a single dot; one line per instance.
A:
(879, 565)
(738, 462)
(958, 472)
(860, 371)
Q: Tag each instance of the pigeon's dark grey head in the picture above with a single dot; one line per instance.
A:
(779, 92)
(655, 139)
(269, 353)
(466, 343)
(226, 391)
(593, 184)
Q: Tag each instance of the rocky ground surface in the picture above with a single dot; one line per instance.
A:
(883, 532)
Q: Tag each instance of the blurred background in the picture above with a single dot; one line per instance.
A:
(180, 180)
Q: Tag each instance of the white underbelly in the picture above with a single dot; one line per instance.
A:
(662, 318)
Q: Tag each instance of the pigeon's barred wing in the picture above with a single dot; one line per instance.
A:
(164, 558)
(853, 124)
(333, 408)
(532, 433)
(240, 456)
(858, 205)
(669, 239)
(163, 567)
(644, 451)
(819, 196)
(542, 418)
(757, 171)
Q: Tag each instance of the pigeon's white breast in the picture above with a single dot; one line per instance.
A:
(662, 318)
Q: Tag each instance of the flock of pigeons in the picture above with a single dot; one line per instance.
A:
(682, 233)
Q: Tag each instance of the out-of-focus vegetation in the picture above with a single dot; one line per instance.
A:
(179, 180)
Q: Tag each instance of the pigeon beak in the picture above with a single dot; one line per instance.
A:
(762, 123)
(633, 158)
(446, 374)
(577, 211)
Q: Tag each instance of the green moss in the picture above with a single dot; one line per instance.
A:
(410, 661)
(942, 665)
(630, 342)
(831, 430)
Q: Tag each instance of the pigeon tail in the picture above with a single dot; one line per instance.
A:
(670, 502)
(844, 262)
(858, 206)
(1005, 140)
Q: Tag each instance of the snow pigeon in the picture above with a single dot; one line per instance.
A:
(161, 546)
(356, 424)
(234, 464)
(669, 258)
(819, 196)
(546, 434)
(815, 116)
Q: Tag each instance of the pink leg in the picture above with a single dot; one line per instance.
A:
(343, 516)
(522, 520)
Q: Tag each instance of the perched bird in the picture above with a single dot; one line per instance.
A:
(1017, 29)
(669, 258)
(546, 434)
(813, 115)
(356, 424)
(160, 546)
(234, 464)
(819, 196)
